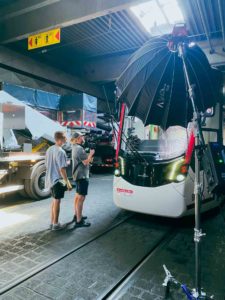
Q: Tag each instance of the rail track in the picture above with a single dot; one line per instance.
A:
(114, 291)
(137, 261)
(44, 266)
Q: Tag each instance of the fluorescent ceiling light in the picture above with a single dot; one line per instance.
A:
(158, 16)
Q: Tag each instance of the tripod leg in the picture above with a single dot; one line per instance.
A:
(187, 292)
(167, 290)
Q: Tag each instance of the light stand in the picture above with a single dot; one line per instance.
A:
(199, 147)
(196, 293)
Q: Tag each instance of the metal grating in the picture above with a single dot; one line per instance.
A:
(121, 33)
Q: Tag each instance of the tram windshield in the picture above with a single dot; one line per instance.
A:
(154, 141)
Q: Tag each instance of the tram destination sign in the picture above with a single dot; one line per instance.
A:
(44, 39)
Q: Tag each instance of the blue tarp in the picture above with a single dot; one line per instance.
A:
(78, 101)
(41, 99)
(90, 103)
(32, 97)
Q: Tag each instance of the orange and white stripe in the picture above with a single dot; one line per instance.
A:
(71, 123)
(90, 124)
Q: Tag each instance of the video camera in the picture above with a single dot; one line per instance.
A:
(92, 139)
(91, 142)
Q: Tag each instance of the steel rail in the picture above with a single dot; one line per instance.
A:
(46, 265)
(114, 290)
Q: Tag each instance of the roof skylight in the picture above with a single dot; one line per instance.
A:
(158, 16)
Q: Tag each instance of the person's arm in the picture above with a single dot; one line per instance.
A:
(62, 163)
(65, 178)
(90, 158)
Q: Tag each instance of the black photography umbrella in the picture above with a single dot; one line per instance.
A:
(170, 82)
(154, 87)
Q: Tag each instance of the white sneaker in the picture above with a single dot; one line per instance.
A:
(57, 227)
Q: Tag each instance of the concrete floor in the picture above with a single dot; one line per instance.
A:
(26, 246)
(23, 216)
(178, 254)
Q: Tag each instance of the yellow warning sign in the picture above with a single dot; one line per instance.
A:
(44, 39)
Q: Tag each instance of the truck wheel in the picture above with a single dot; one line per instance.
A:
(35, 186)
(23, 193)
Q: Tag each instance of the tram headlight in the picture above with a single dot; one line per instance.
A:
(117, 172)
(180, 177)
(122, 165)
(175, 169)
(178, 171)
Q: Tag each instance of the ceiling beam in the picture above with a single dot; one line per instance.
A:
(26, 66)
(40, 16)
(26, 81)
(95, 70)
(22, 7)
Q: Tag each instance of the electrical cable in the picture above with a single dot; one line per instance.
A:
(132, 149)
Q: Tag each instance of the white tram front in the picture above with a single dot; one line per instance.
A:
(154, 174)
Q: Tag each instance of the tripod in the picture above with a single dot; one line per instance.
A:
(197, 292)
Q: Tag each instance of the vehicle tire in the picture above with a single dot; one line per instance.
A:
(35, 186)
(23, 193)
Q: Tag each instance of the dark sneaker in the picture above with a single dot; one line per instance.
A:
(75, 218)
(56, 227)
(50, 227)
(82, 223)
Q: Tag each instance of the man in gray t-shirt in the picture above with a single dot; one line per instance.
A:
(56, 177)
(55, 160)
(80, 170)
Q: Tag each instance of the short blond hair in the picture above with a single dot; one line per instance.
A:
(74, 140)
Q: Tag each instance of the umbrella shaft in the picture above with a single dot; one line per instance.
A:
(190, 88)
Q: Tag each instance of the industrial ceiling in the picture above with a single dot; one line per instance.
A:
(99, 36)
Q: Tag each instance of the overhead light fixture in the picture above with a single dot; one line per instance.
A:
(158, 16)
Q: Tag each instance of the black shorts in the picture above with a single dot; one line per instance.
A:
(82, 186)
(58, 190)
